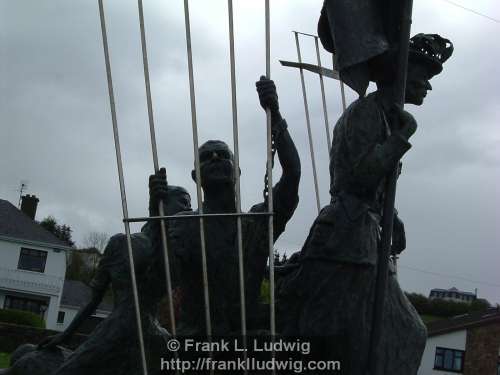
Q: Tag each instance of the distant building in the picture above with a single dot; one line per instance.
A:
(76, 295)
(467, 344)
(452, 294)
(32, 262)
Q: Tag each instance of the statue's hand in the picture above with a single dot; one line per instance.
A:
(268, 96)
(398, 236)
(53, 341)
(406, 125)
(157, 190)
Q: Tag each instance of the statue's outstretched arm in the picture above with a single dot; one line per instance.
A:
(285, 192)
(99, 286)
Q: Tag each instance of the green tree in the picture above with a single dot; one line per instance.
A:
(63, 231)
(479, 304)
(75, 269)
(445, 309)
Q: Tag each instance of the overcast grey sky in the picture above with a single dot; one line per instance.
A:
(57, 134)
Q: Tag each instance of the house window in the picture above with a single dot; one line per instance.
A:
(32, 260)
(449, 360)
(60, 317)
(26, 304)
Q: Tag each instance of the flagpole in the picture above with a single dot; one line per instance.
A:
(390, 196)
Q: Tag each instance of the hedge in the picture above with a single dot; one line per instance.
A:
(4, 360)
(20, 317)
(445, 309)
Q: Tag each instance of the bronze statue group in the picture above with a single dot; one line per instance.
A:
(325, 292)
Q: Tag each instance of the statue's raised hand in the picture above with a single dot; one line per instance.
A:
(406, 125)
(268, 96)
(398, 235)
(158, 190)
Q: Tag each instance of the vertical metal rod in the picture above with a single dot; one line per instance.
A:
(322, 84)
(308, 123)
(122, 187)
(197, 168)
(237, 175)
(154, 149)
(342, 91)
(377, 330)
(270, 206)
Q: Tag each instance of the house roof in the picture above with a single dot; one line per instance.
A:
(453, 290)
(16, 224)
(465, 321)
(78, 294)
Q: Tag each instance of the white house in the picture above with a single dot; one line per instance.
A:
(76, 295)
(32, 262)
(453, 294)
(467, 344)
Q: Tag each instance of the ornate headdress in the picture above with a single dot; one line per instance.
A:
(431, 49)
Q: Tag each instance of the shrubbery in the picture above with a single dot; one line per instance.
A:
(445, 309)
(25, 318)
(4, 360)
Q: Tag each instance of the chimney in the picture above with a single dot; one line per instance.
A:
(29, 204)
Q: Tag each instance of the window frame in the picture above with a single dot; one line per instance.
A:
(14, 302)
(456, 354)
(61, 315)
(33, 253)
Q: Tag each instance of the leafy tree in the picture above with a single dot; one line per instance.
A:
(445, 309)
(479, 304)
(82, 265)
(75, 267)
(63, 232)
(279, 260)
(50, 224)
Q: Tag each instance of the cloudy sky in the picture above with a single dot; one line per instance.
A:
(57, 134)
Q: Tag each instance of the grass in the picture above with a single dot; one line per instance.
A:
(4, 360)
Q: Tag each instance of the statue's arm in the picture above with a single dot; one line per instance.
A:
(84, 312)
(288, 157)
(99, 285)
(285, 192)
(371, 158)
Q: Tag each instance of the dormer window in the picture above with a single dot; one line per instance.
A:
(32, 260)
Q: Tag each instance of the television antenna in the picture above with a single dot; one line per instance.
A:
(23, 186)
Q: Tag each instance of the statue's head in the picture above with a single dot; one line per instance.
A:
(216, 164)
(178, 200)
(427, 53)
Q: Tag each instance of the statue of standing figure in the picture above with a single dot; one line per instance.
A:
(218, 184)
(327, 291)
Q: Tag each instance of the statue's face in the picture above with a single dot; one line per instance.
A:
(216, 164)
(178, 202)
(417, 83)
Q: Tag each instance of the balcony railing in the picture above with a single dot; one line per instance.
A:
(28, 281)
